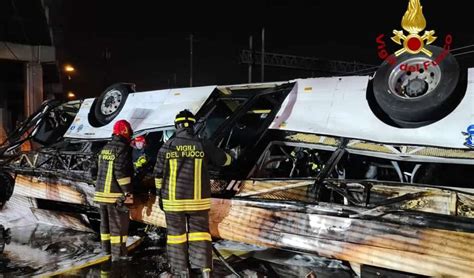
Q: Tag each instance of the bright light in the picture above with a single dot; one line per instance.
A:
(69, 68)
(71, 95)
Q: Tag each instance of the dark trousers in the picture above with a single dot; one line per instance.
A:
(114, 229)
(189, 241)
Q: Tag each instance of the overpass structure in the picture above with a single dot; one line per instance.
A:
(28, 58)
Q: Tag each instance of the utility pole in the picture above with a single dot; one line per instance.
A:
(250, 65)
(190, 60)
(263, 54)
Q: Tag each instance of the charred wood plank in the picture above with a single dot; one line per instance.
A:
(54, 189)
(402, 247)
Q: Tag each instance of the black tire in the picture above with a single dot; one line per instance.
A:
(405, 124)
(110, 103)
(424, 108)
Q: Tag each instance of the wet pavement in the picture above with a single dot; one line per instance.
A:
(38, 248)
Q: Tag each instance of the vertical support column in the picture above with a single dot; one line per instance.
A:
(251, 55)
(34, 87)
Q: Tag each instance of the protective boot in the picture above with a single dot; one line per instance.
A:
(105, 269)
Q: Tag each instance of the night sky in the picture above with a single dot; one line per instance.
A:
(149, 46)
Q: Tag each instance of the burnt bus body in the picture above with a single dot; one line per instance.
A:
(320, 167)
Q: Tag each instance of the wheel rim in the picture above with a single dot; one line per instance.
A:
(417, 83)
(111, 102)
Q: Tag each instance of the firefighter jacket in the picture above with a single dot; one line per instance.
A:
(181, 172)
(115, 171)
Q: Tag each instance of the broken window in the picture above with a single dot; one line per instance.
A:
(55, 123)
(252, 122)
(219, 112)
(366, 167)
(283, 160)
(236, 121)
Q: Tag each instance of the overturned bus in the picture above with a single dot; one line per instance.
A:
(373, 170)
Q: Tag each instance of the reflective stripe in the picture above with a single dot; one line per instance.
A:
(172, 177)
(200, 236)
(186, 208)
(184, 119)
(259, 111)
(108, 177)
(116, 239)
(124, 181)
(187, 202)
(104, 237)
(142, 160)
(197, 179)
(206, 270)
(176, 239)
(186, 205)
(228, 159)
(196, 193)
(158, 183)
(105, 200)
(104, 274)
(110, 195)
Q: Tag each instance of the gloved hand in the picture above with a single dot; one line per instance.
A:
(121, 202)
(128, 199)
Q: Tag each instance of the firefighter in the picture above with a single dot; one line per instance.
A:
(113, 187)
(139, 157)
(306, 163)
(182, 182)
(141, 165)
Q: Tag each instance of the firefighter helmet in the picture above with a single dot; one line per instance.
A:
(139, 142)
(184, 119)
(123, 128)
(140, 138)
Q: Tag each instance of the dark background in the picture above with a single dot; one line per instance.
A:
(148, 40)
